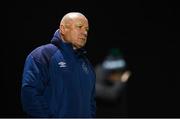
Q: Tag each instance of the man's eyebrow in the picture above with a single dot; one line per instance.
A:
(79, 24)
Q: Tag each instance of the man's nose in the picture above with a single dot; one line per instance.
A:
(85, 33)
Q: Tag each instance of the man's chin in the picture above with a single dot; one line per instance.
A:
(80, 46)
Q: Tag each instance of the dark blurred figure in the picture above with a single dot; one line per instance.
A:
(112, 76)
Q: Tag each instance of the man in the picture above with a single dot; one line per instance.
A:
(58, 80)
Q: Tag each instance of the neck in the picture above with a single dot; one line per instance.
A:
(64, 40)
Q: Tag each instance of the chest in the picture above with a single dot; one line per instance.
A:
(75, 73)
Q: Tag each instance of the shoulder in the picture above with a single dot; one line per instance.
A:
(43, 53)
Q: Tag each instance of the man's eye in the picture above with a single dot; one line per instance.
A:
(79, 26)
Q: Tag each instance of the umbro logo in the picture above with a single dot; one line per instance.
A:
(62, 64)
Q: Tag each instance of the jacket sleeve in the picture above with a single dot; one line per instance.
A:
(33, 85)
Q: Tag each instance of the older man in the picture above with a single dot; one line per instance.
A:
(58, 79)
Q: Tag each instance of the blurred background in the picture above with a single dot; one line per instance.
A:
(145, 32)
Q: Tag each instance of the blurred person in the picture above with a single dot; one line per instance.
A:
(111, 79)
(112, 76)
(58, 79)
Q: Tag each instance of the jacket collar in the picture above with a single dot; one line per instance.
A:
(57, 41)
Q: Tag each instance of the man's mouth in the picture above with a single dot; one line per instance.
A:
(83, 38)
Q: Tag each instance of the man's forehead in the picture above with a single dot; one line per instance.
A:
(81, 22)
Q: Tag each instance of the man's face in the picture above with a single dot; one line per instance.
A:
(77, 32)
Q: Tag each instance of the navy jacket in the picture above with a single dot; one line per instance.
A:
(58, 82)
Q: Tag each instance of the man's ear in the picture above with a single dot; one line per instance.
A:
(62, 29)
